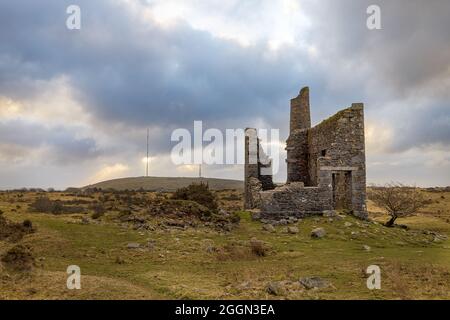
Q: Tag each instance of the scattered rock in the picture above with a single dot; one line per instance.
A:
(256, 216)
(274, 288)
(314, 283)
(244, 285)
(269, 228)
(292, 230)
(348, 224)
(175, 223)
(84, 220)
(367, 248)
(133, 245)
(329, 213)
(318, 233)
(223, 212)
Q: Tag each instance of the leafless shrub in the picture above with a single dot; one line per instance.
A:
(397, 199)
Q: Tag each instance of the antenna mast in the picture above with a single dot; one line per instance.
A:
(146, 170)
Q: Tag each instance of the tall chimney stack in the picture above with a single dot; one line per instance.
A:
(300, 114)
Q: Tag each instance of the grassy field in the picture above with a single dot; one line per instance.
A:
(203, 262)
(166, 184)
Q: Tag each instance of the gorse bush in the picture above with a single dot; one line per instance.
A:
(199, 193)
(45, 205)
(99, 210)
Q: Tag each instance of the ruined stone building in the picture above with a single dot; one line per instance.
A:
(326, 167)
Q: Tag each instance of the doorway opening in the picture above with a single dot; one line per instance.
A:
(342, 190)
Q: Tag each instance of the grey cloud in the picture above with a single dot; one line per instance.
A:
(130, 75)
(19, 137)
(141, 74)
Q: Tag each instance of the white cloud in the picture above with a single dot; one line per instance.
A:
(107, 172)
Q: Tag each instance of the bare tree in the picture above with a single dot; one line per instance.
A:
(399, 200)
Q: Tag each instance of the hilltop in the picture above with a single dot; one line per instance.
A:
(165, 184)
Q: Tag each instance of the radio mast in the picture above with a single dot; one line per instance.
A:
(146, 170)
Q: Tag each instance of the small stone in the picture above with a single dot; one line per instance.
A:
(133, 245)
(313, 283)
(348, 224)
(292, 230)
(367, 248)
(269, 228)
(318, 233)
(274, 288)
(256, 216)
(329, 213)
(119, 260)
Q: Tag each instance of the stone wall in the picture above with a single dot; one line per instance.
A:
(337, 146)
(297, 157)
(297, 143)
(257, 170)
(294, 199)
(326, 166)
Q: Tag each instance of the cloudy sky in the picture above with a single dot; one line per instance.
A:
(75, 104)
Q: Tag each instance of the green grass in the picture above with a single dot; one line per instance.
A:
(180, 266)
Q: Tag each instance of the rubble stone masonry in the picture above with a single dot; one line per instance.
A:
(326, 167)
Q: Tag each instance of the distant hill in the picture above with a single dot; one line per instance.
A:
(165, 184)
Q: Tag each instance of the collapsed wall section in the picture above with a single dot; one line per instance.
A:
(257, 170)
